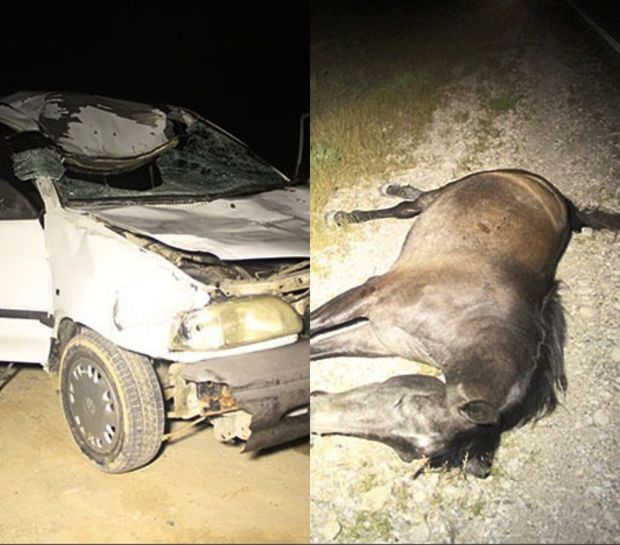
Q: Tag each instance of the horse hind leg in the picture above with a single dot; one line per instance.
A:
(417, 201)
(413, 415)
(403, 210)
(406, 192)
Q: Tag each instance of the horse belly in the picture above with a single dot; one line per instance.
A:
(494, 219)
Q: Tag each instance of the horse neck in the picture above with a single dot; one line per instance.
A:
(495, 363)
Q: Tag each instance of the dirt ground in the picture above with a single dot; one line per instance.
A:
(197, 491)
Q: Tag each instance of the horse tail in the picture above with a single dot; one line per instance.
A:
(593, 218)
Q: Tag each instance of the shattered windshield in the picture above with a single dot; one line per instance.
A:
(206, 163)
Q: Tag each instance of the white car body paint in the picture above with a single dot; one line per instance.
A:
(25, 285)
(100, 132)
(124, 292)
(268, 225)
(28, 341)
(23, 269)
(20, 110)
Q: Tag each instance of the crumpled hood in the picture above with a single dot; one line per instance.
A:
(274, 224)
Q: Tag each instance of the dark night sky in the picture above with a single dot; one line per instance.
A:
(243, 66)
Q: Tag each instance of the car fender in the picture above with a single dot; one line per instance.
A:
(104, 281)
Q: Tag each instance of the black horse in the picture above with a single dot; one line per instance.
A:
(473, 293)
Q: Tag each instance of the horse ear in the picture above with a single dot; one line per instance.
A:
(480, 412)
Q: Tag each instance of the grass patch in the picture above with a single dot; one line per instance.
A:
(378, 72)
(375, 81)
(477, 507)
(503, 103)
(495, 105)
(368, 482)
(496, 470)
(402, 494)
(323, 155)
(368, 528)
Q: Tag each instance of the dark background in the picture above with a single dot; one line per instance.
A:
(243, 66)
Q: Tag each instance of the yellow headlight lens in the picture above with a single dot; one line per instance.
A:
(234, 323)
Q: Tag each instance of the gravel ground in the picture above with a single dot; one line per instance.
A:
(552, 108)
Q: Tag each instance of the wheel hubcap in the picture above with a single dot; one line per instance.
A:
(93, 405)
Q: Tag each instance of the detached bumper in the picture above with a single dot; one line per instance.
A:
(268, 384)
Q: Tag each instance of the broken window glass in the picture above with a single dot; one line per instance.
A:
(206, 163)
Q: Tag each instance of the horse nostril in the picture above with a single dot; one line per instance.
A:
(478, 468)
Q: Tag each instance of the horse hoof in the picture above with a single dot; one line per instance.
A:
(338, 218)
(387, 188)
(407, 192)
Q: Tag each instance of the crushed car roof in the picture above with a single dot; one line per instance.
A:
(92, 131)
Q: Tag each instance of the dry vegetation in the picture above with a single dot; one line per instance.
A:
(374, 84)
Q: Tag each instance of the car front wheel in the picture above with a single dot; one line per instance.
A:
(112, 401)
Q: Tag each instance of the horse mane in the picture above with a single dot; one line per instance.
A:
(548, 378)
(477, 445)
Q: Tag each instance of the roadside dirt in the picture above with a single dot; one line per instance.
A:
(197, 491)
(543, 98)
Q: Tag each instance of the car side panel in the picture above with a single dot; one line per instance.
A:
(25, 292)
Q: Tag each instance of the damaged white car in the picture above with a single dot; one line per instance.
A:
(157, 268)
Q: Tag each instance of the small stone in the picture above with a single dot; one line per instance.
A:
(615, 354)
(596, 491)
(418, 533)
(512, 465)
(375, 499)
(587, 421)
(601, 418)
(331, 529)
(599, 468)
(587, 232)
(611, 519)
(587, 312)
(419, 497)
(170, 522)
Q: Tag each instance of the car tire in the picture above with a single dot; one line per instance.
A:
(112, 401)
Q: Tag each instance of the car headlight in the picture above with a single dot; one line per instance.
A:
(233, 323)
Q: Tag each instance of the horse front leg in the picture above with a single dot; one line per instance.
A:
(356, 339)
